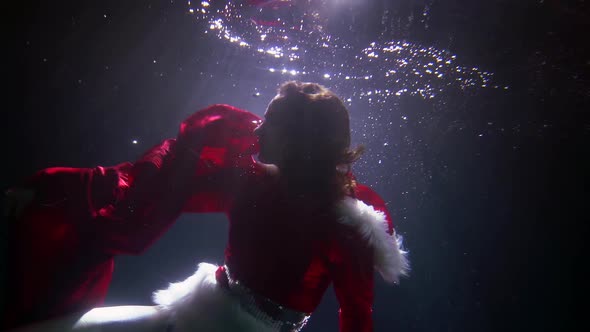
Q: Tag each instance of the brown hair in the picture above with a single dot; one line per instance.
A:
(316, 128)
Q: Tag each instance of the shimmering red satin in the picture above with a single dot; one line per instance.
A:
(63, 246)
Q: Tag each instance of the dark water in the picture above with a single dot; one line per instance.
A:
(474, 115)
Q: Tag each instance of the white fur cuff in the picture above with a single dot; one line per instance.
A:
(390, 259)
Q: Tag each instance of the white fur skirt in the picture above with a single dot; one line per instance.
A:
(193, 305)
(200, 304)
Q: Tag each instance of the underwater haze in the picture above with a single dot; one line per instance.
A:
(473, 115)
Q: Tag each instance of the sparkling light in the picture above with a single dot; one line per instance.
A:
(292, 34)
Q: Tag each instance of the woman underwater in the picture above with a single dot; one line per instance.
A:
(298, 222)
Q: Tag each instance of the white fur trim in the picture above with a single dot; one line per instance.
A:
(195, 304)
(390, 259)
(199, 304)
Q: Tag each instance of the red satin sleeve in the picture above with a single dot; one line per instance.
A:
(196, 172)
(351, 270)
(225, 136)
(158, 185)
(65, 224)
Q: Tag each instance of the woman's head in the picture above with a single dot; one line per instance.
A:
(306, 125)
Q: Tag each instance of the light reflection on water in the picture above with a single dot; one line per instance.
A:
(291, 38)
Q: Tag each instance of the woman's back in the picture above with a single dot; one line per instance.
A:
(298, 221)
(279, 243)
(284, 245)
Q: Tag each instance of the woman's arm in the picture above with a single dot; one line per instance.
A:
(196, 172)
(158, 186)
(353, 277)
(366, 242)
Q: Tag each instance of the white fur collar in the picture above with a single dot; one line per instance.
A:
(389, 258)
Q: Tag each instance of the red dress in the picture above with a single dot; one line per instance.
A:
(65, 240)
(289, 249)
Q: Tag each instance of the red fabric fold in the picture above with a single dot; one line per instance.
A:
(65, 240)
(63, 243)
